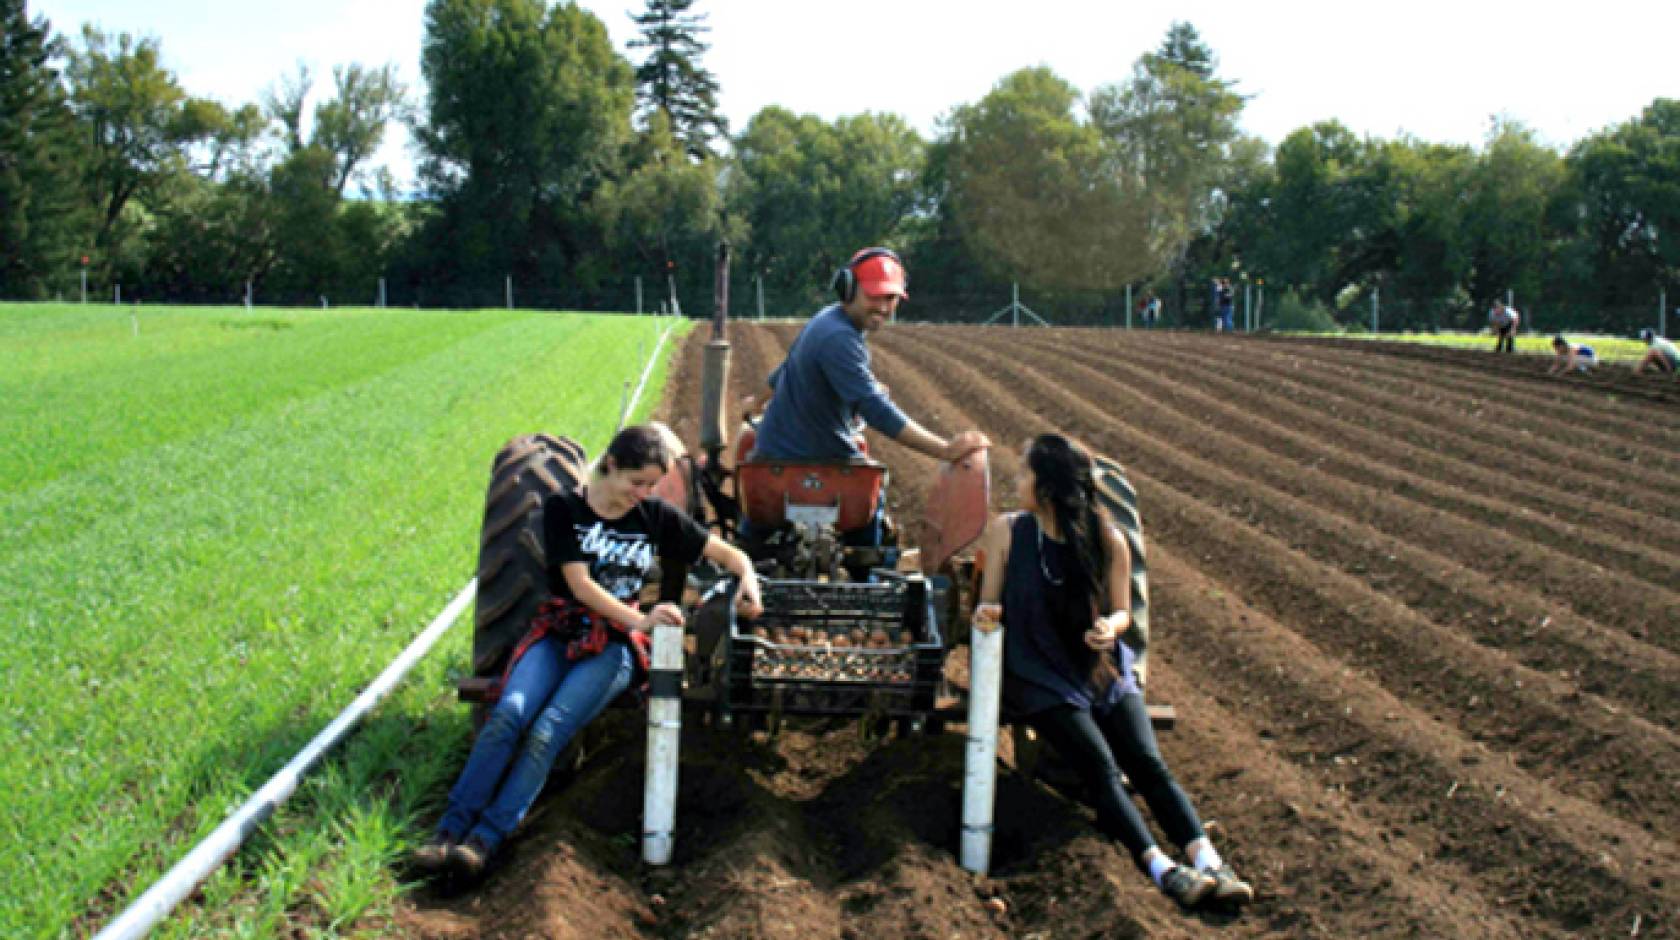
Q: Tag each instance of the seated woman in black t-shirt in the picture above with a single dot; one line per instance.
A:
(1055, 568)
(585, 646)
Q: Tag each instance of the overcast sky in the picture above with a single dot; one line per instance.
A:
(1436, 70)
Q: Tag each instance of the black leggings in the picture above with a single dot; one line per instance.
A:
(1102, 745)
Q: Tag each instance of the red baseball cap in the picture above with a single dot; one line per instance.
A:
(880, 275)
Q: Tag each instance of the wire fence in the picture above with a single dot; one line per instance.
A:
(1187, 304)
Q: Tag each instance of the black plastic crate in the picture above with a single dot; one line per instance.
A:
(789, 669)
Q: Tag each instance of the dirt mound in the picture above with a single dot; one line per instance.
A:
(1419, 613)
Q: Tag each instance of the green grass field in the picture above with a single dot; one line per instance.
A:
(216, 526)
(1608, 348)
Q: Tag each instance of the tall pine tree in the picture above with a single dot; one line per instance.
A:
(673, 81)
(39, 206)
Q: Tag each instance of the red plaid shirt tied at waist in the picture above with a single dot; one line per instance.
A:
(584, 634)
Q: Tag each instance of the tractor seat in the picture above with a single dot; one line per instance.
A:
(772, 490)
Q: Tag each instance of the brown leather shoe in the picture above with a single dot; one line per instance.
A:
(1187, 886)
(469, 858)
(1228, 889)
(434, 855)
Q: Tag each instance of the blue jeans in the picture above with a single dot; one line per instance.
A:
(553, 698)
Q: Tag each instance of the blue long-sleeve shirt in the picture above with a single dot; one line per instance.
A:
(823, 385)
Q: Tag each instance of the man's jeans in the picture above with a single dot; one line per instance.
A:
(554, 698)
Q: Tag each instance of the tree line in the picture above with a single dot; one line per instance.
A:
(554, 165)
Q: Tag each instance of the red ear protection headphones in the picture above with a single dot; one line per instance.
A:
(845, 280)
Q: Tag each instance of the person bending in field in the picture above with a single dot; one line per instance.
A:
(1057, 577)
(1571, 357)
(1662, 356)
(1504, 321)
(587, 644)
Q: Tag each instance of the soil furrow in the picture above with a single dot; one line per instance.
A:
(1434, 423)
(1620, 831)
(1610, 382)
(1307, 431)
(1568, 453)
(1625, 670)
(1408, 650)
(1386, 729)
(1605, 662)
(921, 397)
(1427, 785)
(1633, 423)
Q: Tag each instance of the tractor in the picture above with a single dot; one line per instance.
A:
(851, 628)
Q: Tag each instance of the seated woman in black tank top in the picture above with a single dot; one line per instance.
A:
(1057, 577)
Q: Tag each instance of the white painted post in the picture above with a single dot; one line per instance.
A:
(1128, 306)
(638, 295)
(1662, 311)
(84, 285)
(510, 292)
(664, 738)
(247, 293)
(117, 296)
(1259, 306)
(382, 293)
(760, 280)
(1376, 293)
(980, 760)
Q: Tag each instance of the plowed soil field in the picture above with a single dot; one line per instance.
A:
(1418, 611)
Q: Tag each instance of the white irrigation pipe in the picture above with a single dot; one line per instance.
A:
(664, 739)
(980, 758)
(180, 881)
(647, 370)
(208, 855)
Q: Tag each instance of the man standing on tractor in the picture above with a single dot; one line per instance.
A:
(825, 385)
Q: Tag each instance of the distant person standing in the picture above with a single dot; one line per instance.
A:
(1504, 321)
(1149, 309)
(1571, 357)
(1662, 356)
(1225, 305)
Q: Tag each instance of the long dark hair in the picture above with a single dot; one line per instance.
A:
(1064, 483)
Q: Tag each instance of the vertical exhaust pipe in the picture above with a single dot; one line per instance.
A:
(659, 793)
(980, 764)
(715, 377)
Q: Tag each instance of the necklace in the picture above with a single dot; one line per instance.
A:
(1042, 566)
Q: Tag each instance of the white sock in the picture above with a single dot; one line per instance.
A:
(1208, 858)
(1160, 865)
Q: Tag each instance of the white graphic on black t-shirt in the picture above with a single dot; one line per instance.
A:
(620, 559)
